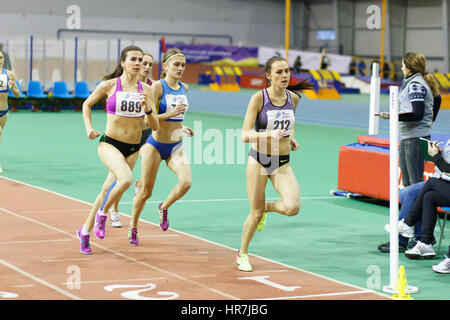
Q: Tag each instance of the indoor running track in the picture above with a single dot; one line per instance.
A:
(40, 260)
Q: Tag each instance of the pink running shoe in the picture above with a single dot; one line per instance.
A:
(99, 228)
(163, 220)
(132, 236)
(85, 247)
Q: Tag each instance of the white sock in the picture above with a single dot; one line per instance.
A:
(100, 212)
(84, 232)
(115, 215)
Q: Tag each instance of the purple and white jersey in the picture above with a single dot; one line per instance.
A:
(272, 117)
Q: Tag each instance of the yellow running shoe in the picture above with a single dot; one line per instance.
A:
(262, 222)
(242, 262)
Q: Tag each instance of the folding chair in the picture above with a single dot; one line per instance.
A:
(61, 95)
(442, 226)
(36, 94)
(80, 94)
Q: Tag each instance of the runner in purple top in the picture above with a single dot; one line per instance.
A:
(269, 127)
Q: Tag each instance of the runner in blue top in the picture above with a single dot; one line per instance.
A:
(7, 82)
(166, 143)
(144, 77)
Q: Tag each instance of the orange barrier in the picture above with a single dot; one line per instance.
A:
(367, 172)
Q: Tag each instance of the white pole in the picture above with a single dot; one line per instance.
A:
(374, 99)
(393, 187)
(393, 192)
(393, 182)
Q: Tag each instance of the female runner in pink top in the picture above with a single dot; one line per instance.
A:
(128, 106)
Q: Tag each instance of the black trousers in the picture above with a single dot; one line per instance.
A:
(435, 193)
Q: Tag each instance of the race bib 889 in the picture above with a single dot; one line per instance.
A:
(128, 104)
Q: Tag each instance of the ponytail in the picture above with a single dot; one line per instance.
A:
(432, 83)
(302, 85)
(115, 74)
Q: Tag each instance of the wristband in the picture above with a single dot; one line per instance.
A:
(149, 112)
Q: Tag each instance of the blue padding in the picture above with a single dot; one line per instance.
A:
(368, 147)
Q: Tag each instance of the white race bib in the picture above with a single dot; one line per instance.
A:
(3, 82)
(128, 104)
(172, 101)
(281, 119)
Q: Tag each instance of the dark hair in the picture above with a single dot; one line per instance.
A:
(169, 53)
(123, 56)
(302, 85)
(416, 63)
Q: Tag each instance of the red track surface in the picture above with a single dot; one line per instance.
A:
(40, 260)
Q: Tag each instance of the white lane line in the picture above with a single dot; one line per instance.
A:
(113, 281)
(318, 295)
(23, 286)
(145, 264)
(232, 199)
(270, 271)
(54, 211)
(35, 241)
(66, 260)
(149, 236)
(37, 279)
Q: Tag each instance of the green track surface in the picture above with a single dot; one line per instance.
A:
(334, 237)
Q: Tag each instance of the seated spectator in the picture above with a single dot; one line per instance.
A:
(435, 193)
(407, 197)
